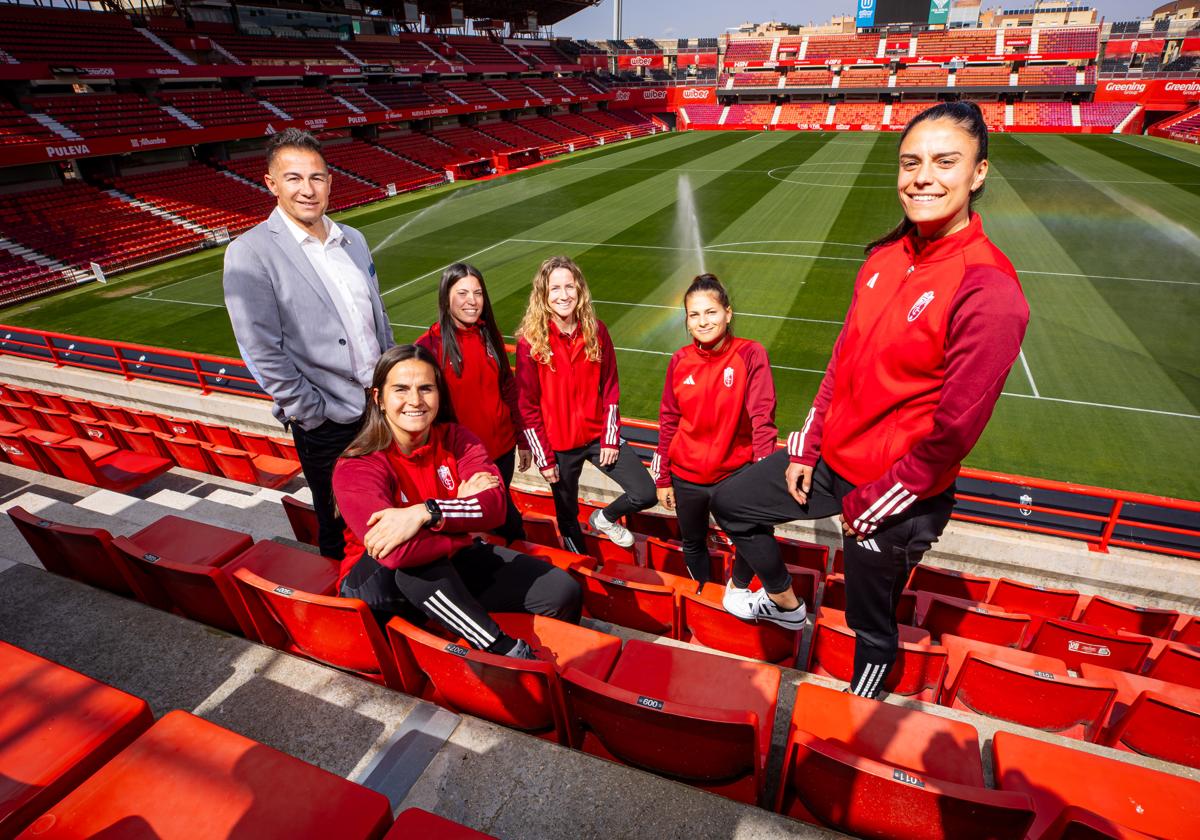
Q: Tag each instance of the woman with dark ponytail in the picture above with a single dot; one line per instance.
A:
(482, 389)
(935, 324)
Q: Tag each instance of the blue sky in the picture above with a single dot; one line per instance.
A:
(694, 18)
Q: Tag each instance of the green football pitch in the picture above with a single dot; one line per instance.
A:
(1104, 230)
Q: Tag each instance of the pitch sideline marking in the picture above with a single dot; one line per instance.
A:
(1028, 373)
(1154, 151)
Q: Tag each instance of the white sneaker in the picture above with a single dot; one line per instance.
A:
(737, 602)
(762, 608)
(619, 534)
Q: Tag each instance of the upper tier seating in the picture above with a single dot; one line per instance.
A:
(803, 114)
(212, 107)
(921, 77)
(1071, 39)
(482, 51)
(848, 46)
(396, 95)
(78, 224)
(957, 42)
(302, 102)
(809, 78)
(106, 114)
(201, 195)
(67, 35)
(756, 78)
(510, 89)
(578, 86)
(357, 96)
(543, 54)
(405, 50)
(379, 167)
(256, 49)
(17, 127)
(747, 50)
(1041, 113)
(548, 88)
(471, 92)
(346, 191)
(1104, 113)
(979, 75)
(1046, 74)
(871, 77)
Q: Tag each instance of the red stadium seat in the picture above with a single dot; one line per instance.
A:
(302, 518)
(958, 649)
(341, 632)
(565, 560)
(254, 442)
(81, 407)
(1069, 706)
(877, 770)
(413, 823)
(518, 693)
(115, 414)
(949, 582)
(804, 583)
(222, 436)
(145, 441)
(120, 471)
(1114, 616)
(185, 772)
(1038, 602)
(942, 614)
(668, 557)
(149, 420)
(633, 597)
(190, 454)
(83, 554)
(263, 470)
(189, 541)
(1168, 728)
(542, 529)
(654, 525)
(1076, 644)
(806, 555)
(695, 717)
(532, 501)
(1138, 798)
(57, 727)
(920, 667)
(1176, 663)
(606, 551)
(834, 595)
(1189, 633)
(703, 621)
(101, 431)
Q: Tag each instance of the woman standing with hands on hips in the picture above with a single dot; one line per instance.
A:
(935, 324)
(717, 416)
(568, 396)
(483, 392)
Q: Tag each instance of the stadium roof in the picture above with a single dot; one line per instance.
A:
(549, 12)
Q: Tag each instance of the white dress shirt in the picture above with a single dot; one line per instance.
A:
(348, 288)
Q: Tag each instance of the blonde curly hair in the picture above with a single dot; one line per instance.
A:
(535, 326)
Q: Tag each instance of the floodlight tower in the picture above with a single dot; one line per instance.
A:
(616, 20)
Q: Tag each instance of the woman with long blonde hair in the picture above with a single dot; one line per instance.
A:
(568, 398)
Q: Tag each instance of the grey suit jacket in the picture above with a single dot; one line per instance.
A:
(287, 326)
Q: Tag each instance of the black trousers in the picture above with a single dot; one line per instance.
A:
(747, 505)
(319, 449)
(513, 528)
(629, 472)
(692, 503)
(459, 591)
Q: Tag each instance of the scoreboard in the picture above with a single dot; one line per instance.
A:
(885, 12)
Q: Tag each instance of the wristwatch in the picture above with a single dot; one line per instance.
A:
(435, 515)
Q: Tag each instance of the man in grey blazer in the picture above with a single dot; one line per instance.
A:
(304, 301)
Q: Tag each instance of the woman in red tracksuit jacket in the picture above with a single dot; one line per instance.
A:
(717, 415)
(568, 395)
(412, 487)
(483, 391)
(935, 324)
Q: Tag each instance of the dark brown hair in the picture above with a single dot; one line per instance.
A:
(708, 284)
(451, 352)
(376, 435)
(970, 119)
(292, 138)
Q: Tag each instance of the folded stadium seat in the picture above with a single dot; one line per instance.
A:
(1176, 663)
(340, 632)
(34, 437)
(263, 470)
(184, 773)
(190, 454)
(958, 649)
(302, 518)
(1069, 706)
(668, 557)
(254, 442)
(807, 555)
(1114, 615)
(839, 562)
(518, 693)
(115, 414)
(149, 420)
(48, 419)
(101, 431)
(703, 621)
(1038, 602)
(6, 412)
(606, 551)
(542, 529)
(532, 501)
(695, 717)
(136, 439)
(834, 595)
(1076, 644)
(83, 554)
(920, 667)
(82, 407)
(1151, 717)
(1156, 803)
(653, 525)
(414, 822)
(57, 727)
(284, 448)
(565, 560)
(181, 427)
(949, 582)
(1189, 632)
(219, 435)
(876, 770)
(120, 471)
(634, 597)
(942, 614)
(22, 395)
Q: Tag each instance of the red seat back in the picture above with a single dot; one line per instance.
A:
(529, 501)
(20, 452)
(971, 621)
(341, 632)
(949, 582)
(235, 465)
(1177, 664)
(668, 557)
(704, 620)
(542, 530)
(1075, 644)
(834, 596)
(1015, 596)
(806, 555)
(1189, 634)
(83, 554)
(190, 454)
(653, 525)
(302, 518)
(918, 672)
(627, 596)
(71, 461)
(1114, 616)
(606, 551)
(1160, 727)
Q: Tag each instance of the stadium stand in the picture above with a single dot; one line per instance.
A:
(747, 50)
(1046, 74)
(1042, 113)
(400, 95)
(259, 49)
(809, 78)
(749, 114)
(217, 107)
(470, 92)
(106, 114)
(798, 114)
(17, 127)
(42, 34)
(1071, 39)
(704, 114)
(860, 77)
(482, 51)
(1106, 114)
(200, 194)
(404, 49)
(982, 76)
(519, 137)
(422, 149)
(546, 88)
(921, 77)
(373, 164)
(859, 113)
(758, 78)
(842, 46)
(350, 192)
(902, 112)
(301, 102)
(474, 144)
(957, 42)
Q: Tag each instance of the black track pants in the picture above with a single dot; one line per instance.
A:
(629, 472)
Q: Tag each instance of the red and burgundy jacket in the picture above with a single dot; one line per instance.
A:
(389, 478)
(484, 396)
(717, 412)
(931, 334)
(568, 401)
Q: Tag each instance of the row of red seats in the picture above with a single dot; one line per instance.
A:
(200, 194)
(79, 758)
(120, 448)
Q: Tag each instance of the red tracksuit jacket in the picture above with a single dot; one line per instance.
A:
(931, 334)
(390, 479)
(482, 402)
(717, 412)
(572, 401)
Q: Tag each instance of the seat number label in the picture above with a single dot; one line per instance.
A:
(283, 590)
(457, 650)
(907, 778)
(1046, 675)
(150, 558)
(651, 703)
